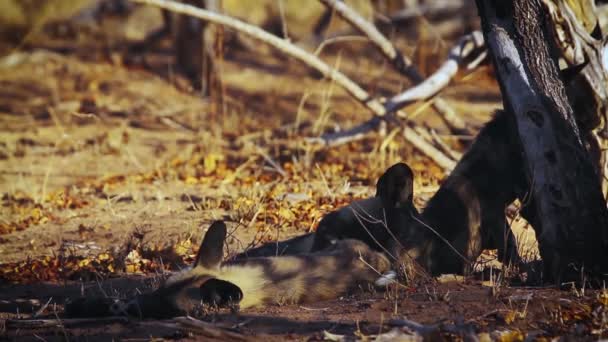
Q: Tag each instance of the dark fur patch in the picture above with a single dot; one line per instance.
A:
(294, 246)
(379, 221)
(211, 252)
(468, 210)
(218, 292)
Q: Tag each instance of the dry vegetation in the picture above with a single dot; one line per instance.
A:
(109, 172)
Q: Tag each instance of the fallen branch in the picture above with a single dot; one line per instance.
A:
(403, 64)
(469, 47)
(208, 329)
(311, 60)
(58, 323)
(352, 134)
(280, 44)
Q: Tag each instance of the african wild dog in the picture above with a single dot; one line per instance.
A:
(467, 211)
(378, 221)
(467, 214)
(252, 282)
(294, 246)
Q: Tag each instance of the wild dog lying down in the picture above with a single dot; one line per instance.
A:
(377, 220)
(294, 246)
(467, 213)
(251, 282)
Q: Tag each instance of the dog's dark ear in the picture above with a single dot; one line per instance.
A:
(570, 73)
(219, 292)
(597, 31)
(396, 186)
(212, 248)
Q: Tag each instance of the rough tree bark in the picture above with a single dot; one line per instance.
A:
(572, 220)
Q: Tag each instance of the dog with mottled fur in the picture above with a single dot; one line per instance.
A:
(251, 282)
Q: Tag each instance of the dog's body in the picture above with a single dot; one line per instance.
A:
(295, 246)
(378, 220)
(468, 210)
(254, 282)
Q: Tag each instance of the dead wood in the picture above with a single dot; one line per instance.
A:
(572, 220)
(302, 55)
(401, 63)
(208, 329)
(57, 323)
(470, 50)
(179, 323)
(470, 47)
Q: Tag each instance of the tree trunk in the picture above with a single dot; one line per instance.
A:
(191, 51)
(571, 217)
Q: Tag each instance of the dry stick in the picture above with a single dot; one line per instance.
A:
(403, 64)
(311, 60)
(431, 8)
(209, 329)
(54, 323)
(281, 44)
(470, 47)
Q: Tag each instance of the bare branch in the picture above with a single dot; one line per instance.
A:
(403, 64)
(469, 47)
(290, 49)
(437, 156)
(311, 60)
(352, 134)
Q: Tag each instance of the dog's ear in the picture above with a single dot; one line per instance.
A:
(220, 292)
(211, 251)
(570, 73)
(396, 186)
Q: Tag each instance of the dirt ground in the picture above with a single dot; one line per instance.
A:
(109, 174)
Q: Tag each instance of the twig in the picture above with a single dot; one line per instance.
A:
(281, 44)
(443, 146)
(403, 64)
(54, 323)
(437, 156)
(313, 309)
(432, 8)
(41, 310)
(311, 60)
(469, 47)
(270, 161)
(414, 326)
(208, 329)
